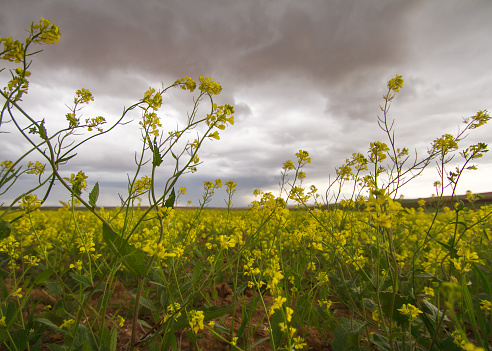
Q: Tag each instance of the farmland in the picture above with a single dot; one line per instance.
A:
(330, 277)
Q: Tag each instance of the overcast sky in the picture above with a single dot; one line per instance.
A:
(302, 75)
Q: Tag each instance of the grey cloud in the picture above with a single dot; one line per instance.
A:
(302, 75)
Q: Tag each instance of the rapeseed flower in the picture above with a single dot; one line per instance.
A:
(410, 311)
(396, 83)
(195, 319)
(485, 305)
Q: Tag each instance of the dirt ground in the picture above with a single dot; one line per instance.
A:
(258, 325)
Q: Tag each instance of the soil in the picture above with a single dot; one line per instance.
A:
(256, 330)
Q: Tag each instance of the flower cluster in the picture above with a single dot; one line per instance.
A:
(410, 311)
(95, 122)
(30, 202)
(186, 83)
(209, 87)
(195, 319)
(78, 182)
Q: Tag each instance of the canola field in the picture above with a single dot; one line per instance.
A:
(264, 278)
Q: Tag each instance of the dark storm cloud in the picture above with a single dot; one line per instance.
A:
(301, 74)
(248, 39)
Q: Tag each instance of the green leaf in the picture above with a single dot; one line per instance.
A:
(65, 159)
(340, 340)
(277, 334)
(170, 200)
(5, 229)
(133, 259)
(114, 336)
(42, 131)
(347, 335)
(170, 339)
(381, 342)
(147, 304)
(50, 324)
(83, 339)
(485, 281)
(157, 158)
(471, 314)
(197, 272)
(259, 342)
(446, 246)
(221, 329)
(397, 335)
(19, 338)
(41, 277)
(93, 195)
(435, 314)
(154, 346)
(144, 323)
(82, 279)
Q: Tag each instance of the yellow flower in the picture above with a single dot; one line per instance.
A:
(32, 260)
(214, 135)
(485, 305)
(288, 165)
(120, 321)
(195, 319)
(375, 317)
(186, 83)
(67, 324)
(444, 144)
(35, 168)
(30, 202)
(17, 293)
(326, 303)
(303, 157)
(77, 265)
(384, 221)
(410, 311)
(428, 291)
(396, 83)
(208, 86)
(288, 313)
(299, 343)
(277, 304)
(2, 322)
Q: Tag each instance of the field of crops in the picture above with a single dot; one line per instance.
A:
(267, 277)
(307, 269)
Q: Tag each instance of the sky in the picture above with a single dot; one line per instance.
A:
(304, 75)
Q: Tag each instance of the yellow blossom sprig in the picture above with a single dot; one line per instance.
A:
(29, 202)
(463, 342)
(485, 305)
(43, 32)
(78, 182)
(410, 311)
(208, 86)
(195, 319)
(95, 122)
(219, 118)
(15, 51)
(35, 168)
(186, 83)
